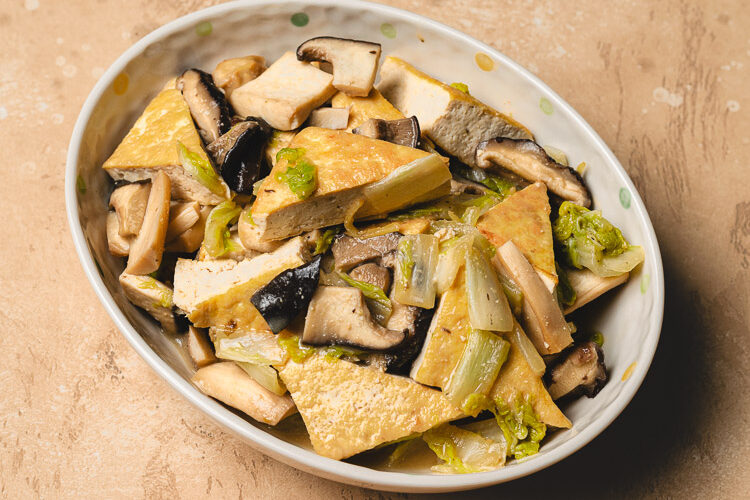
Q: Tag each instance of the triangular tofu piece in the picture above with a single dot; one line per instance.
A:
(446, 337)
(151, 145)
(523, 217)
(455, 120)
(517, 379)
(349, 409)
(362, 109)
(345, 164)
(217, 292)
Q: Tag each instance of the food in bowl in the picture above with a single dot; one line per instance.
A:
(394, 262)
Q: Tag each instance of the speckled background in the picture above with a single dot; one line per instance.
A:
(664, 83)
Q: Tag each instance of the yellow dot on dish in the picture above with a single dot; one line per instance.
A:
(484, 61)
(120, 85)
(628, 371)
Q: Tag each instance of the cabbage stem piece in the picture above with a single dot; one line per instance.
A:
(217, 239)
(202, 171)
(265, 375)
(417, 259)
(450, 259)
(488, 306)
(259, 348)
(463, 451)
(477, 369)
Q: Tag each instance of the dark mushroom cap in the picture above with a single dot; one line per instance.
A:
(528, 160)
(208, 106)
(239, 154)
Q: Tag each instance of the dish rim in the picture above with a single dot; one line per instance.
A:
(287, 452)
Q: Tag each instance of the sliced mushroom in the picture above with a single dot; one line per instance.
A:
(373, 274)
(588, 286)
(151, 295)
(332, 118)
(239, 154)
(349, 252)
(415, 321)
(129, 201)
(147, 249)
(339, 316)
(230, 384)
(199, 347)
(182, 216)
(528, 160)
(404, 131)
(230, 74)
(207, 104)
(581, 372)
(287, 295)
(189, 241)
(544, 321)
(355, 62)
(118, 245)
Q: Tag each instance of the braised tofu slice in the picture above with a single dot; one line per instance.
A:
(217, 293)
(523, 218)
(118, 245)
(588, 286)
(231, 385)
(345, 164)
(362, 109)
(250, 235)
(129, 202)
(456, 121)
(151, 147)
(446, 337)
(517, 379)
(349, 409)
(151, 295)
(284, 94)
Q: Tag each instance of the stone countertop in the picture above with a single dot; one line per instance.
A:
(665, 85)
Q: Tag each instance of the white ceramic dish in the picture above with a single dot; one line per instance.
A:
(631, 318)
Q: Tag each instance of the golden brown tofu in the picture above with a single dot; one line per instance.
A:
(523, 217)
(151, 146)
(362, 109)
(349, 408)
(345, 164)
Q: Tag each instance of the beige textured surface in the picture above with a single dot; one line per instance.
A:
(664, 83)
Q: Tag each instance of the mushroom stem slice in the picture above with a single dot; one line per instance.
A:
(200, 348)
(582, 371)
(339, 316)
(528, 160)
(588, 286)
(545, 322)
(230, 74)
(129, 201)
(331, 118)
(182, 216)
(119, 246)
(147, 249)
(404, 131)
(207, 104)
(355, 62)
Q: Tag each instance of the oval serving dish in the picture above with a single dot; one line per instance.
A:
(631, 316)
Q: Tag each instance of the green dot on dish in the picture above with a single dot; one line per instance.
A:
(388, 30)
(300, 19)
(204, 29)
(645, 281)
(546, 106)
(624, 198)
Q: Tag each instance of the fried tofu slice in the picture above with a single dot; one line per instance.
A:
(217, 292)
(285, 94)
(349, 408)
(230, 384)
(456, 121)
(517, 379)
(151, 146)
(362, 109)
(446, 337)
(151, 295)
(523, 217)
(345, 164)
